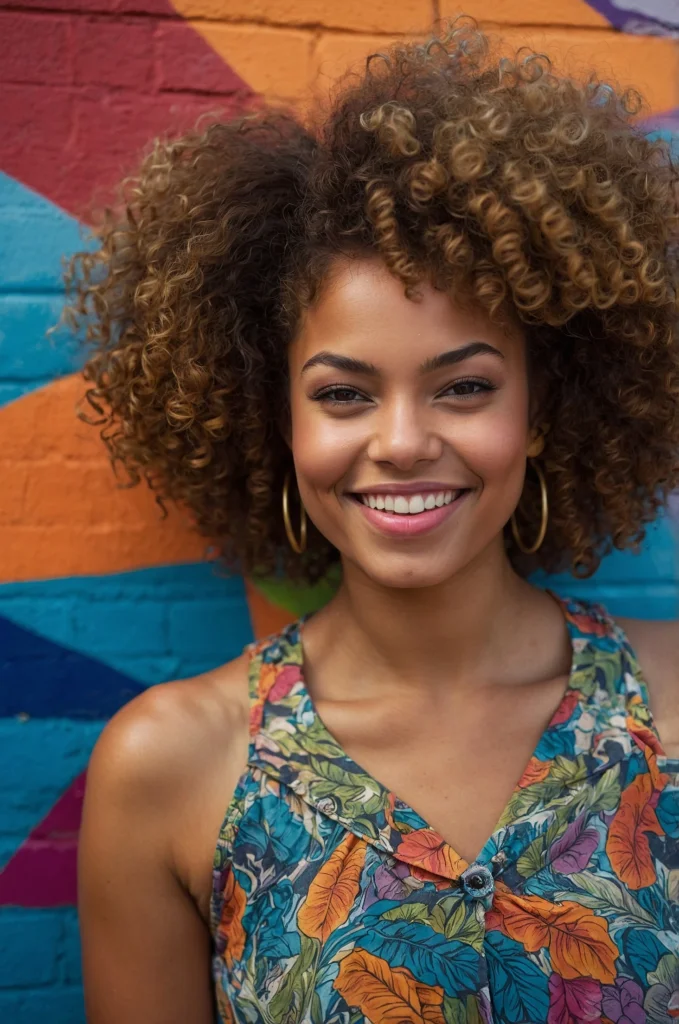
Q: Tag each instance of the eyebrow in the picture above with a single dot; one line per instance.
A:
(348, 365)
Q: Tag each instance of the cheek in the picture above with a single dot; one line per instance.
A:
(324, 449)
(493, 446)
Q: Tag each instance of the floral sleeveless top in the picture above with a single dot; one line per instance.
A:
(336, 903)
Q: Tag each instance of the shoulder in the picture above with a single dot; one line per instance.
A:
(656, 646)
(151, 750)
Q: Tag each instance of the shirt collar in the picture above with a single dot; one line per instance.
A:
(587, 735)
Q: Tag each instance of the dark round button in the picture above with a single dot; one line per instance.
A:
(477, 882)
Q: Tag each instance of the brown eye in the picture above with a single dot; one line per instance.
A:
(468, 388)
(339, 395)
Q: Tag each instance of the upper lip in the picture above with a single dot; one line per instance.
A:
(417, 487)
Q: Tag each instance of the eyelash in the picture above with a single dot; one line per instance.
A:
(325, 393)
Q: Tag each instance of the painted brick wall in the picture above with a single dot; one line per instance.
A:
(98, 599)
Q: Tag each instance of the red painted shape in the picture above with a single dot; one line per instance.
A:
(162, 8)
(43, 871)
(72, 130)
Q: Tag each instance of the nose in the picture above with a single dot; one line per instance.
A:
(403, 434)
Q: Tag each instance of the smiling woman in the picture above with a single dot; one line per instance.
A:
(446, 309)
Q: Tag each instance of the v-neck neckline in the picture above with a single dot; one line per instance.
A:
(291, 742)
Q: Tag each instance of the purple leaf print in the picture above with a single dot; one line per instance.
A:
(623, 1002)
(573, 1000)
(572, 851)
(389, 884)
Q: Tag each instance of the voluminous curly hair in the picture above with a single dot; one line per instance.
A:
(529, 193)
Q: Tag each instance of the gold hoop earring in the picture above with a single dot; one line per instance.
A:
(544, 516)
(298, 546)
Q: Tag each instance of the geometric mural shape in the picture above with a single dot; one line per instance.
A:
(640, 16)
(43, 871)
(62, 512)
(39, 759)
(42, 679)
(34, 237)
(79, 125)
(642, 584)
(150, 625)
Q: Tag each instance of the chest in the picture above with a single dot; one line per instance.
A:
(457, 762)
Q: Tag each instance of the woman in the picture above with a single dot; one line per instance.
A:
(433, 338)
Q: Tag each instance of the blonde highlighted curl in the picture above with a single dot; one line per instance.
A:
(526, 192)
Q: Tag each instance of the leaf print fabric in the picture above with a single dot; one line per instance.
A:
(392, 996)
(333, 891)
(334, 902)
(628, 846)
(577, 939)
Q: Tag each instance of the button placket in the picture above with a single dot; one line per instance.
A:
(477, 884)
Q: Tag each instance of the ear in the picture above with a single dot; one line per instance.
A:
(537, 441)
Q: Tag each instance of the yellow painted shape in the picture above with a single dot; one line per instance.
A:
(61, 513)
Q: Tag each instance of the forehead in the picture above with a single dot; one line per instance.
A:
(362, 310)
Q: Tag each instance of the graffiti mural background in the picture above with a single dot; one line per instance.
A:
(99, 598)
(657, 16)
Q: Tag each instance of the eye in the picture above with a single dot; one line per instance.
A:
(468, 388)
(339, 394)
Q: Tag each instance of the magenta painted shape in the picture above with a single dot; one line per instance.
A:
(43, 871)
(132, 81)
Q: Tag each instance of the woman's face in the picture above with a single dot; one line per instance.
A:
(410, 426)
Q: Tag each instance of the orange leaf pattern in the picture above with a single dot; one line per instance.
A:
(333, 890)
(577, 939)
(334, 900)
(230, 929)
(386, 995)
(427, 850)
(536, 771)
(627, 845)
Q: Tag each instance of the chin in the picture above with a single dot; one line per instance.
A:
(407, 574)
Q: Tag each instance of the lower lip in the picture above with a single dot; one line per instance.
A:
(395, 525)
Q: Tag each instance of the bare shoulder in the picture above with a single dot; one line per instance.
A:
(158, 742)
(159, 779)
(656, 645)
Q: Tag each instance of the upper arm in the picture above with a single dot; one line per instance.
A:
(146, 949)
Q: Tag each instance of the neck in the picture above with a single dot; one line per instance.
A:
(460, 628)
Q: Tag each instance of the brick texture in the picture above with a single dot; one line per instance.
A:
(85, 85)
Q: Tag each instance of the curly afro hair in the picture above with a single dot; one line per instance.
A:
(530, 193)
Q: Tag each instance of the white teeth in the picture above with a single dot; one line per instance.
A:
(412, 506)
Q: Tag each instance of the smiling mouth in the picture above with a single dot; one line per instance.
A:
(411, 504)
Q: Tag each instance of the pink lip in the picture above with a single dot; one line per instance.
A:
(394, 525)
